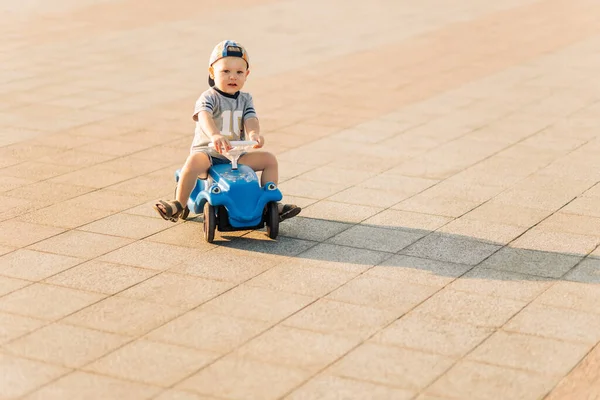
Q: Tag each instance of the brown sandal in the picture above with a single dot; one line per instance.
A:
(170, 211)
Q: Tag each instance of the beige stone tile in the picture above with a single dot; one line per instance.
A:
(393, 181)
(407, 220)
(443, 206)
(531, 262)
(510, 285)
(46, 301)
(334, 211)
(108, 199)
(507, 214)
(556, 323)
(81, 244)
(342, 319)
(451, 189)
(235, 267)
(54, 192)
(421, 271)
(152, 363)
(432, 335)
(205, 331)
(65, 345)
(124, 316)
(37, 171)
(177, 290)
(262, 304)
(91, 177)
(152, 255)
(473, 309)
(531, 198)
(310, 189)
(125, 225)
(378, 292)
(8, 285)
(296, 348)
(20, 234)
(307, 280)
(557, 242)
(188, 234)
(571, 223)
(326, 387)
(6, 249)
(34, 265)
(531, 353)
(588, 271)
(13, 326)
(312, 228)
(98, 276)
(173, 394)
(80, 385)
(337, 176)
(19, 376)
(392, 366)
(579, 296)
(341, 258)
(236, 378)
(470, 380)
(483, 230)
(374, 238)
(369, 197)
(76, 157)
(8, 183)
(55, 215)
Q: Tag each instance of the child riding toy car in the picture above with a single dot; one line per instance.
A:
(232, 199)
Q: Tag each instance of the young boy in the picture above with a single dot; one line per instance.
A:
(223, 113)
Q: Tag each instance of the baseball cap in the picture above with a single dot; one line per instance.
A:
(227, 48)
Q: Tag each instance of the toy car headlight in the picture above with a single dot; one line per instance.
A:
(271, 186)
(215, 190)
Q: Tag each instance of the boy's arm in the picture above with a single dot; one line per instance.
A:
(252, 127)
(209, 127)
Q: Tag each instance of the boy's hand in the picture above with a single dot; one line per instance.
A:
(221, 144)
(259, 139)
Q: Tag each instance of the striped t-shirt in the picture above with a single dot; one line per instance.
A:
(229, 111)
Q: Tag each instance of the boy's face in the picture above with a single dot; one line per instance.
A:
(229, 74)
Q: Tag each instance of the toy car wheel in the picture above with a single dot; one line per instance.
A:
(209, 222)
(272, 220)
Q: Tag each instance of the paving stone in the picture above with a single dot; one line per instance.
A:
(531, 262)
(578, 296)
(398, 367)
(246, 301)
(373, 238)
(509, 285)
(343, 319)
(341, 212)
(587, 271)
(450, 248)
(238, 378)
(13, 326)
(312, 228)
(470, 308)
(531, 353)
(101, 277)
(20, 376)
(83, 385)
(485, 231)
(21, 234)
(46, 301)
(176, 290)
(480, 381)
(66, 345)
(422, 271)
(557, 242)
(124, 225)
(341, 258)
(35, 265)
(80, 244)
(152, 362)
(205, 331)
(326, 387)
(432, 335)
(556, 323)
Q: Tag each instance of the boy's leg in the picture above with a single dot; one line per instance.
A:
(262, 161)
(196, 165)
(267, 163)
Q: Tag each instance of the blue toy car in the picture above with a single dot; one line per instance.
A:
(232, 199)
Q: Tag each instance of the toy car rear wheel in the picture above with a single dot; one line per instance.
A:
(209, 222)
(272, 220)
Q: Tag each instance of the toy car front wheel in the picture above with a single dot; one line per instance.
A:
(209, 222)
(272, 220)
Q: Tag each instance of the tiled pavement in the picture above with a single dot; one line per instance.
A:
(446, 154)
